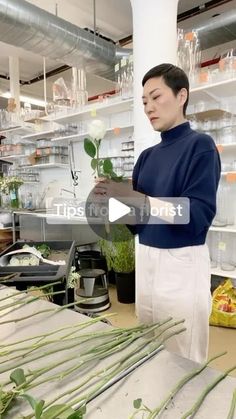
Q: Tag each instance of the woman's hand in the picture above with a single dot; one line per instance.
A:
(109, 188)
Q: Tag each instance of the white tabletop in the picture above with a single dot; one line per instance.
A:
(151, 382)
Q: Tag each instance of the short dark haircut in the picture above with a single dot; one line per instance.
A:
(174, 77)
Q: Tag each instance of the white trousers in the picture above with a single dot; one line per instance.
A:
(176, 283)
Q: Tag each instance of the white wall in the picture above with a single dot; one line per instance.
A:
(56, 178)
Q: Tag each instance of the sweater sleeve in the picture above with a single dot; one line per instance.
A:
(134, 229)
(200, 187)
(136, 170)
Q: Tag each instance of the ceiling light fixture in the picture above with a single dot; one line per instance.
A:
(28, 99)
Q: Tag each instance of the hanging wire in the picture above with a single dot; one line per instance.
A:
(45, 85)
(94, 19)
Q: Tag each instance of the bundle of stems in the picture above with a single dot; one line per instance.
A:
(152, 414)
(69, 345)
(123, 366)
(53, 332)
(25, 301)
(119, 336)
(194, 409)
(15, 294)
(105, 376)
(232, 407)
(64, 338)
(121, 339)
(102, 351)
(48, 310)
(90, 347)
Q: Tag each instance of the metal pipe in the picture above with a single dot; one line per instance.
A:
(202, 8)
(24, 24)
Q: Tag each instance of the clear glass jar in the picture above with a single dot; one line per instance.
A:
(226, 251)
(221, 205)
(228, 135)
(28, 195)
(227, 63)
(212, 243)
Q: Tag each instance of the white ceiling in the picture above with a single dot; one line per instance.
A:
(113, 19)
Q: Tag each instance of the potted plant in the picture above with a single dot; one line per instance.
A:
(9, 185)
(119, 251)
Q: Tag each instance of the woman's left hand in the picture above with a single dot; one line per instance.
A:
(112, 189)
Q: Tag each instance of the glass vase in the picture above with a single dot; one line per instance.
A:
(14, 198)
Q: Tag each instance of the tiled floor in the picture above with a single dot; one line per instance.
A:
(221, 339)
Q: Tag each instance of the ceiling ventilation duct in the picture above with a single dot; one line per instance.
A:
(217, 30)
(24, 25)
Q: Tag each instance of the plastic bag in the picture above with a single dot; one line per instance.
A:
(60, 90)
(224, 305)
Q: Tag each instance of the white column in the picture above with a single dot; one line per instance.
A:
(15, 80)
(154, 42)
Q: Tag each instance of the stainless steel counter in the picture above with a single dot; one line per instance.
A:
(40, 225)
(151, 381)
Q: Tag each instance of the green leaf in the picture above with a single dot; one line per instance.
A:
(55, 411)
(18, 376)
(89, 147)
(82, 409)
(77, 415)
(39, 409)
(137, 403)
(94, 164)
(30, 399)
(107, 166)
(115, 177)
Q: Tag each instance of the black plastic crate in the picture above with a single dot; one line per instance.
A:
(43, 273)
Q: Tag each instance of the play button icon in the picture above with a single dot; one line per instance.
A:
(117, 210)
(111, 215)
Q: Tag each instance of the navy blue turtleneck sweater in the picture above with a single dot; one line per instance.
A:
(184, 164)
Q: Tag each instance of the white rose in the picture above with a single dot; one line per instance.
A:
(97, 129)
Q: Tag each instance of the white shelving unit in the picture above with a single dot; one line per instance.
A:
(19, 130)
(47, 166)
(31, 182)
(226, 147)
(228, 274)
(50, 130)
(230, 171)
(226, 229)
(38, 134)
(93, 109)
(212, 92)
(209, 114)
(80, 137)
(12, 157)
(74, 137)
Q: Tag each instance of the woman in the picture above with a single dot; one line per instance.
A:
(173, 264)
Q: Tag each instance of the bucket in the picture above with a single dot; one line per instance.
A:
(125, 285)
